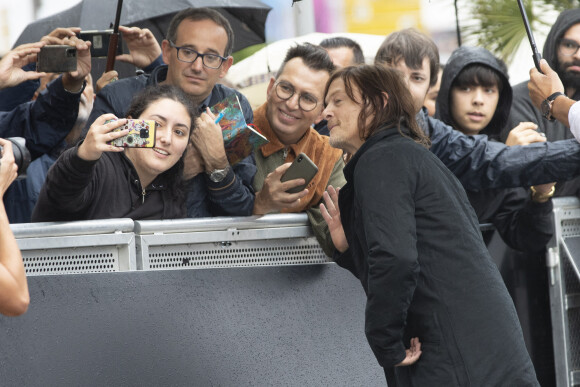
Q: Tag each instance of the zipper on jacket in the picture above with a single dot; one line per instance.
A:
(285, 153)
(143, 196)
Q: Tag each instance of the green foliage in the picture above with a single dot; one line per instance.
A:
(497, 24)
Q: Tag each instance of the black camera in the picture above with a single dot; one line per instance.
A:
(21, 155)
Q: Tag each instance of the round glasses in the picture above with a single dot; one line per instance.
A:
(189, 55)
(568, 47)
(306, 101)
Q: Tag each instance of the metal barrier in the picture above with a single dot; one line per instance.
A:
(563, 260)
(271, 240)
(122, 244)
(92, 246)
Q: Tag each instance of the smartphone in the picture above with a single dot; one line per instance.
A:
(141, 134)
(302, 167)
(536, 56)
(100, 42)
(56, 59)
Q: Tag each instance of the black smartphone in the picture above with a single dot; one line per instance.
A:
(56, 59)
(100, 42)
(302, 167)
(536, 56)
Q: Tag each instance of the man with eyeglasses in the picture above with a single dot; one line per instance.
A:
(293, 104)
(562, 54)
(196, 55)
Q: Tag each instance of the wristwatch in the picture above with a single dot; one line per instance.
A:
(218, 175)
(547, 105)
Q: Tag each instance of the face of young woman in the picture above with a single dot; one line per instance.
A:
(342, 114)
(171, 138)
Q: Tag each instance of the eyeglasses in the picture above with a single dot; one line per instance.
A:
(188, 55)
(568, 47)
(306, 101)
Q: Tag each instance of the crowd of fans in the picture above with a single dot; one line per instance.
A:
(503, 146)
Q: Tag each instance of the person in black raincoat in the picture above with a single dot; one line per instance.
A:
(410, 235)
(475, 98)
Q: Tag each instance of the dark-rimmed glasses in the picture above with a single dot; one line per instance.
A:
(189, 55)
(306, 101)
(568, 47)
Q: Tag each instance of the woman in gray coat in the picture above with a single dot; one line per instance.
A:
(410, 235)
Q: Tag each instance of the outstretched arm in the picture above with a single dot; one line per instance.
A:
(14, 298)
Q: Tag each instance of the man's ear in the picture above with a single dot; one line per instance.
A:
(270, 86)
(385, 99)
(226, 66)
(165, 50)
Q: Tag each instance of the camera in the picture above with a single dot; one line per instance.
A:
(141, 134)
(21, 155)
(56, 59)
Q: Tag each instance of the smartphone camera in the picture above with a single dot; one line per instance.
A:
(144, 133)
(57, 59)
(21, 155)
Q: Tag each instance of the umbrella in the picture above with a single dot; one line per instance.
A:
(247, 17)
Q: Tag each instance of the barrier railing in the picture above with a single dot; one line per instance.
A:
(77, 247)
(563, 261)
(122, 245)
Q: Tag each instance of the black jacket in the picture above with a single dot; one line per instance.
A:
(234, 195)
(76, 189)
(416, 247)
(523, 224)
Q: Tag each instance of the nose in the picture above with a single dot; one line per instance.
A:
(164, 135)
(478, 96)
(293, 102)
(197, 64)
(327, 113)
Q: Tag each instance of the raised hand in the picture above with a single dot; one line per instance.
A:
(331, 214)
(99, 134)
(143, 47)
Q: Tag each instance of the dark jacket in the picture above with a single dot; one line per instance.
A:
(416, 247)
(480, 164)
(76, 189)
(523, 110)
(522, 223)
(44, 123)
(234, 195)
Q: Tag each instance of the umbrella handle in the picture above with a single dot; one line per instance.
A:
(113, 42)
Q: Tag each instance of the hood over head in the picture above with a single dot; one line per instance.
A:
(461, 58)
(566, 20)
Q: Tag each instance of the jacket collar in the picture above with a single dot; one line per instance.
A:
(381, 134)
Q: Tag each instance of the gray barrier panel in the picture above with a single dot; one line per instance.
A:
(259, 326)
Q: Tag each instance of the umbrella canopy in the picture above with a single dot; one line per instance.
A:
(247, 17)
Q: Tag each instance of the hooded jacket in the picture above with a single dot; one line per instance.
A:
(523, 110)
(523, 224)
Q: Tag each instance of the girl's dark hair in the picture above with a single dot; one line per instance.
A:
(372, 81)
(142, 101)
(478, 75)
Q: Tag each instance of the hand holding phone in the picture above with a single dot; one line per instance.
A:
(302, 168)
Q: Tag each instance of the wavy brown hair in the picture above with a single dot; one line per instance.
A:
(372, 81)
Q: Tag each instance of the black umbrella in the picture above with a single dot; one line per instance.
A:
(247, 17)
